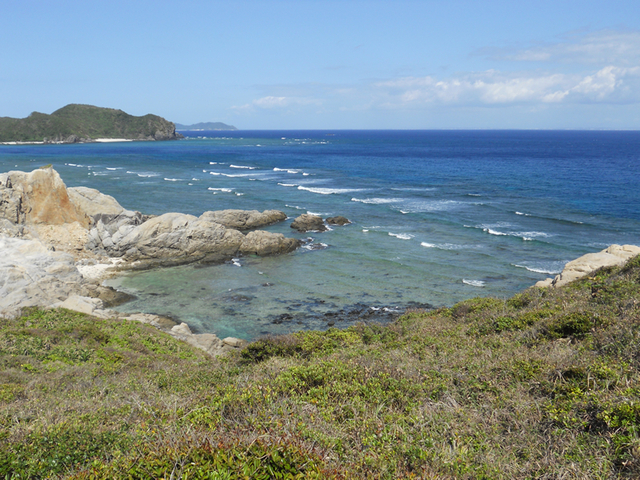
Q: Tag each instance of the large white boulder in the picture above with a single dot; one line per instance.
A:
(615, 255)
(32, 275)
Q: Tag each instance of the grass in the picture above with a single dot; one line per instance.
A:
(545, 384)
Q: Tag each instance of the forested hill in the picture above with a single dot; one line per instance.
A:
(83, 123)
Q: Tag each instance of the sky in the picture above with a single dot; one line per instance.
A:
(329, 64)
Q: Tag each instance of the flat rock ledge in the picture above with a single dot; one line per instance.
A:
(614, 255)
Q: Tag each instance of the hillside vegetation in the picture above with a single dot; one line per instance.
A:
(75, 123)
(543, 385)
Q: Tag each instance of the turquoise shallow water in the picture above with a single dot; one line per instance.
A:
(437, 216)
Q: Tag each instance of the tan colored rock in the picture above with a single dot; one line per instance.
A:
(235, 342)
(69, 237)
(81, 304)
(548, 282)
(615, 255)
(38, 197)
(92, 202)
(33, 275)
(244, 219)
(182, 329)
(178, 237)
(264, 243)
(207, 342)
(339, 220)
(309, 223)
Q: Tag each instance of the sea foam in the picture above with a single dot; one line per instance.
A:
(402, 236)
(329, 191)
(377, 201)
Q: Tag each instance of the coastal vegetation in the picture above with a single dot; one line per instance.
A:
(76, 123)
(545, 384)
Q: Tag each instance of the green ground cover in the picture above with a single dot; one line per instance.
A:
(545, 384)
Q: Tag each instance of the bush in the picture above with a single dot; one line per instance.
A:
(575, 324)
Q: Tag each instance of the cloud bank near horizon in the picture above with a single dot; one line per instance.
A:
(604, 69)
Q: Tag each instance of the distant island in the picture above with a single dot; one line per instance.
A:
(206, 126)
(85, 123)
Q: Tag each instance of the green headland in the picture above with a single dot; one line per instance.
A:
(84, 123)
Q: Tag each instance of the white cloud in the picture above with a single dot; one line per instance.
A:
(602, 47)
(610, 84)
(272, 102)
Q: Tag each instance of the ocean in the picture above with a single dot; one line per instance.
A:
(437, 216)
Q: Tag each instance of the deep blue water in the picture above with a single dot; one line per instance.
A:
(438, 216)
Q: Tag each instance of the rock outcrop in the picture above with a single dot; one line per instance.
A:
(38, 197)
(339, 220)
(264, 244)
(33, 275)
(615, 255)
(41, 219)
(175, 238)
(94, 203)
(245, 219)
(309, 223)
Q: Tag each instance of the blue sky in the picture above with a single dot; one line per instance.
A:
(312, 64)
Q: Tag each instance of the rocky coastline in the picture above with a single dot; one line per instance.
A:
(58, 244)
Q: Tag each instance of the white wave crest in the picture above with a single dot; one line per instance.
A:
(377, 201)
(288, 184)
(227, 190)
(448, 246)
(402, 236)
(329, 191)
(172, 179)
(490, 231)
(538, 269)
(473, 283)
(237, 175)
(242, 166)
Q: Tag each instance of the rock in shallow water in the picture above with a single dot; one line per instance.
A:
(244, 219)
(309, 223)
(339, 220)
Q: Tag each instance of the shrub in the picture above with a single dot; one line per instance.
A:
(575, 324)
